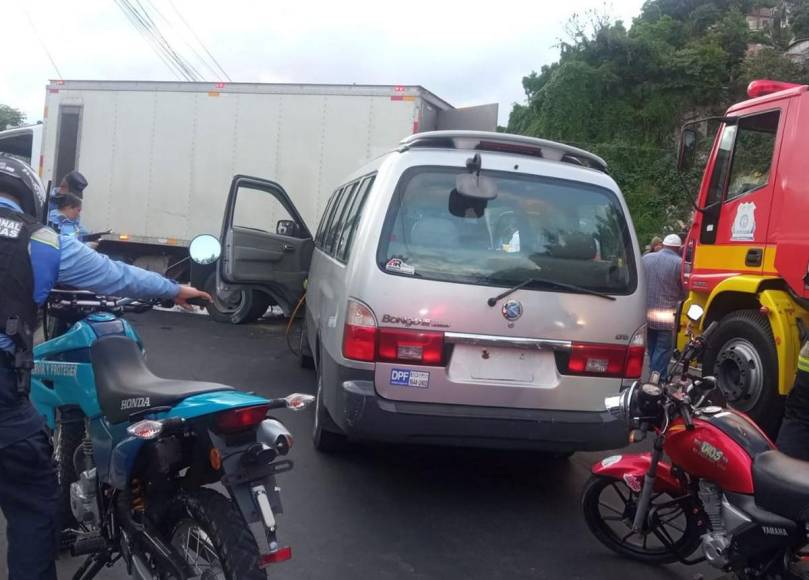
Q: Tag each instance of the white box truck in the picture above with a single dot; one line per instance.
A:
(159, 156)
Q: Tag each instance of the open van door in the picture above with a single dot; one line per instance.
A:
(267, 245)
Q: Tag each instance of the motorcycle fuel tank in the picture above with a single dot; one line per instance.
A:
(720, 448)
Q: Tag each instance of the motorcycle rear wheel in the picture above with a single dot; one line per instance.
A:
(609, 509)
(207, 529)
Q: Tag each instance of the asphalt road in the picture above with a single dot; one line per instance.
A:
(382, 512)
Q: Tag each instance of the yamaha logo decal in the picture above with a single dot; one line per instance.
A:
(512, 310)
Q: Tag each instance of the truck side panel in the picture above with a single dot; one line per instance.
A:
(172, 175)
(160, 163)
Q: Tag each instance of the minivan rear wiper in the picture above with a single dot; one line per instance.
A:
(550, 283)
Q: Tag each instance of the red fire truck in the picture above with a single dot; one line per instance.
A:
(746, 256)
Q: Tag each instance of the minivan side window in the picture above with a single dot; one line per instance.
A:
(326, 220)
(328, 235)
(352, 219)
(339, 218)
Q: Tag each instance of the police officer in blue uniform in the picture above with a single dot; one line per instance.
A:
(33, 258)
(65, 204)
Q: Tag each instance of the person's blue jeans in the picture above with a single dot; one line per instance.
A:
(660, 345)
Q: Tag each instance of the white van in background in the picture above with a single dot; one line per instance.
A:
(25, 143)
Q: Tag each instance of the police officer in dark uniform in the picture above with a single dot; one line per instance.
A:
(32, 259)
(793, 438)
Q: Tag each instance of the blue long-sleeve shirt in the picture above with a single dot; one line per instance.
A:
(65, 260)
(65, 226)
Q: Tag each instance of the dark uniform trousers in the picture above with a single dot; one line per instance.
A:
(793, 438)
(29, 499)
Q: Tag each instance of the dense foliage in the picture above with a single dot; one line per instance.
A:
(10, 117)
(624, 92)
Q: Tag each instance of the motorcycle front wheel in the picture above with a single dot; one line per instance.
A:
(210, 533)
(609, 510)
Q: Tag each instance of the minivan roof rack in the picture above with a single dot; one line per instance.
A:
(505, 143)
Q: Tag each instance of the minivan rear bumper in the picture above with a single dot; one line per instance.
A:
(362, 414)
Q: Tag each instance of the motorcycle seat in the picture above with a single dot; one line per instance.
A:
(125, 385)
(782, 485)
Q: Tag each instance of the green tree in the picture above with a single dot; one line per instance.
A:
(10, 117)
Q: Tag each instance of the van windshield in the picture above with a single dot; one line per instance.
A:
(537, 227)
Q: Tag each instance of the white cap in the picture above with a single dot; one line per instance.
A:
(672, 241)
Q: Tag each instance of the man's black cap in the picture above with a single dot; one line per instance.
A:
(76, 182)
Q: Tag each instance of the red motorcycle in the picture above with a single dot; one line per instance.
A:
(726, 488)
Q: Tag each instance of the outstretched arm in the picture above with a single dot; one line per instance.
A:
(84, 268)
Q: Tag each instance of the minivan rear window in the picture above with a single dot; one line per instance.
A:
(536, 228)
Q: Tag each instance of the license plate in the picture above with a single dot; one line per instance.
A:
(502, 365)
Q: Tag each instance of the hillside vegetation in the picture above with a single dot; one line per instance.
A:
(623, 92)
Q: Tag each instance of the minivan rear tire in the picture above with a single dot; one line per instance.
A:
(326, 436)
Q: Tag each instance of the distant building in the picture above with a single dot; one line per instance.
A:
(761, 18)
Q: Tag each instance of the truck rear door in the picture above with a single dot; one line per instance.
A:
(266, 242)
(733, 227)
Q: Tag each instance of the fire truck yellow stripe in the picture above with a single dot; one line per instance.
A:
(731, 258)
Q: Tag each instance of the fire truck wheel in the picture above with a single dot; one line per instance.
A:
(742, 356)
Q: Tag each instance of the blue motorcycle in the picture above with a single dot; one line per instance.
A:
(135, 452)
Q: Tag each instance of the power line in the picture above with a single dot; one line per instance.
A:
(216, 74)
(41, 42)
(140, 18)
(199, 40)
(133, 20)
(189, 68)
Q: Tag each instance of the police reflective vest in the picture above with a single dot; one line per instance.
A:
(803, 359)
(18, 311)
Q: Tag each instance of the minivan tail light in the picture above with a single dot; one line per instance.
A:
(602, 360)
(411, 346)
(359, 334)
(635, 354)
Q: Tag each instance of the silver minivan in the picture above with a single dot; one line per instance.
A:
(468, 288)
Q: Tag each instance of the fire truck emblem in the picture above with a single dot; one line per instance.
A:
(744, 225)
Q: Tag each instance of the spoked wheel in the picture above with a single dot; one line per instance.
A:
(208, 531)
(198, 550)
(609, 510)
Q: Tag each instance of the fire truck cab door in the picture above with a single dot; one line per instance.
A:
(733, 229)
(789, 228)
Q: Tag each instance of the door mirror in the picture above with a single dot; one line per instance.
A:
(205, 249)
(476, 186)
(688, 149)
(287, 228)
(695, 312)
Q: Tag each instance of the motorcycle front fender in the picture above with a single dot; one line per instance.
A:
(631, 469)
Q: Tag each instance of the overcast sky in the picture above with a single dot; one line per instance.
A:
(465, 54)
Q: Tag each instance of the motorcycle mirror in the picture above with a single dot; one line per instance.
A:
(695, 312)
(298, 401)
(205, 249)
